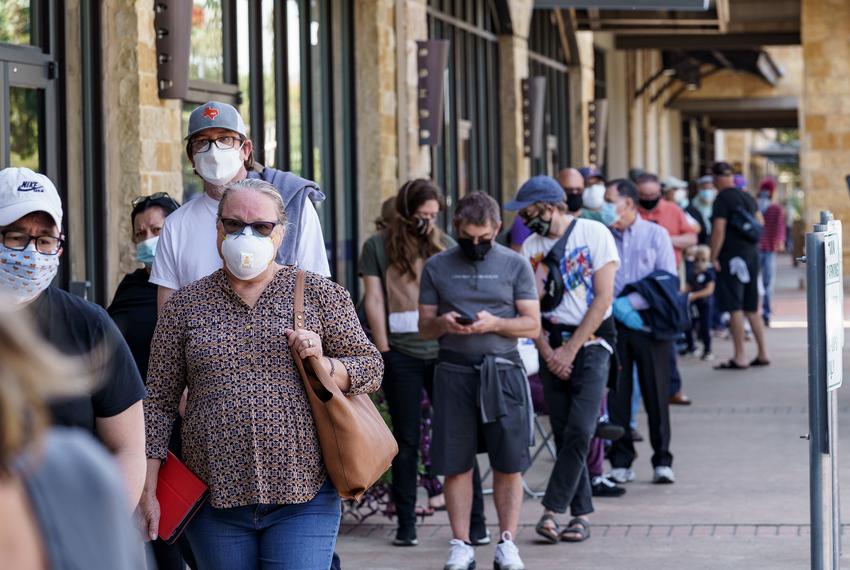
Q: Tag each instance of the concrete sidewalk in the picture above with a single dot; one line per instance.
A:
(741, 497)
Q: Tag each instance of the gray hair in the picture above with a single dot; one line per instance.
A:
(478, 209)
(260, 187)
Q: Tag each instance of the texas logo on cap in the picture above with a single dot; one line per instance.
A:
(211, 113)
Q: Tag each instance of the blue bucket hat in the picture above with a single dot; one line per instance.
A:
(536, 189)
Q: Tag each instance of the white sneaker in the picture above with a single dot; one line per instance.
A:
(507, 554)
(461, 556)
(663, 476)
(621, 475)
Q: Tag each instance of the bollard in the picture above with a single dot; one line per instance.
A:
(824, 304)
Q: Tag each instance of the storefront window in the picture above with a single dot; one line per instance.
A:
(243, 56)
(293, 51)
(16, 21)
(25, 132)
(269, 56)
(207, 43)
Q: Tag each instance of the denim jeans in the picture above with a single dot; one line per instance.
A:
(574, 410)
(404, 378)
(267, 537)
(767, 261)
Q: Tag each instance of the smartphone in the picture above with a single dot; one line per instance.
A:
(465, 320)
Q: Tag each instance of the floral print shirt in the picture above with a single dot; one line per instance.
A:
(248, 431)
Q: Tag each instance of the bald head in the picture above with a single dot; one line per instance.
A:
(570, 179)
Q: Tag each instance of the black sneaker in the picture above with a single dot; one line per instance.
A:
(405, 536)
(604, 487)
(479, 537)
(609, 431)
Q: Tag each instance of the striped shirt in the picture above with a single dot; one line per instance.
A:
(774, 228)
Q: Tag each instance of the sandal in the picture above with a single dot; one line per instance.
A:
(760, 362)
(730, 365)
(577, 531)
(552, 535)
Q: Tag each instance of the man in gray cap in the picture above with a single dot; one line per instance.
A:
(221, 153)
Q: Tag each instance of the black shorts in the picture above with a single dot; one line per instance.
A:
(459, 433)
(733, 295)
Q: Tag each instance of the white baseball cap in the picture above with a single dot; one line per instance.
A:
(23, 192)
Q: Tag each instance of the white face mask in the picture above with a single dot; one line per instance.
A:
(25, 274)
(246, 255)
(218, 166)
(594, 196)
(680, 196)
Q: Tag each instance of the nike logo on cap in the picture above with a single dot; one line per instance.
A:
(30, 186)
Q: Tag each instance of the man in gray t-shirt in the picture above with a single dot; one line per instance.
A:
(478, 299)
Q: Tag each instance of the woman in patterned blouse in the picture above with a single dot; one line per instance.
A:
(248, 431)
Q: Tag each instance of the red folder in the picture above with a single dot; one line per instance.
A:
(180, 494)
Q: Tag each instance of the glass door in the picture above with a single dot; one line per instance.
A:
(23, 117)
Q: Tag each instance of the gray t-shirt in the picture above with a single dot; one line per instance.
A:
(78, 498)
(453, 283)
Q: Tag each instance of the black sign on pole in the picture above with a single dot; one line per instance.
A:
(173, 24)
(533, 109)
(433, 59)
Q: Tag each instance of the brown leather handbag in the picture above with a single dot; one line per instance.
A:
(357, 446)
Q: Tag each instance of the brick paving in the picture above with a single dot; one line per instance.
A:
(740, 501)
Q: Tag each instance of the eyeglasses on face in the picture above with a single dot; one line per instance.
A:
(232, 226)
(139, 200)
(19, 241)
(226, 142)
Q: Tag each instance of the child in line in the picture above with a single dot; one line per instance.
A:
(699, 284)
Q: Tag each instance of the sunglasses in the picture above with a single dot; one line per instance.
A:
(232, 226)
(139, 200)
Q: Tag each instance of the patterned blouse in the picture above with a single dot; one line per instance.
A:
(248, 431)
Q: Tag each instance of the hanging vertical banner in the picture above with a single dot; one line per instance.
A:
(533, 111)
(433, 60)
(597, 118)
(173, 23)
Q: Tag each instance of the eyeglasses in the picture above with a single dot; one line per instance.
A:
(232, 226)
(226, 142)
(19, 241)
(139, 200)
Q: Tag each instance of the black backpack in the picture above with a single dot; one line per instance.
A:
(549, 272)
(745, 224)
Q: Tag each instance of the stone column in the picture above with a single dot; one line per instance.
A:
(414, 160)
(143, 146)
(376, 106)
(581, 94)
(513, 68)
(825, 111)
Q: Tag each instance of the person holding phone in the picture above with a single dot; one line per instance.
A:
(480, 385)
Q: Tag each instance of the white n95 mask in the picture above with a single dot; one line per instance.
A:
(593, 196)
(246, 255)
(218, 166)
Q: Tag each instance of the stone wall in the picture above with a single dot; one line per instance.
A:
(143, 133)
(825, 111)
(376, 106)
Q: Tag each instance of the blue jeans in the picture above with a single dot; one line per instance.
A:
(767, 261)
(266, 537)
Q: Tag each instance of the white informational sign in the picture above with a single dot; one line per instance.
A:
(834, 295)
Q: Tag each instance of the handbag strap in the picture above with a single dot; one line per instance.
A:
(298, 316)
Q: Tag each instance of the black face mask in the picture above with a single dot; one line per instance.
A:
(422, 225)
(574, 202)
(649, 204)
(539, 226)
(474, 251)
